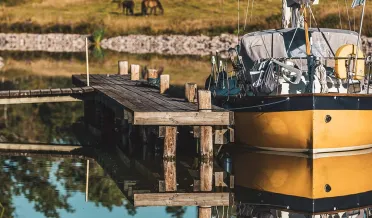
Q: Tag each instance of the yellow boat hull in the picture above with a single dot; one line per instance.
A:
(340, 123)
(314, 184)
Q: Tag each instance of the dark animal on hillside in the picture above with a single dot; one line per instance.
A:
(128, 7)
(152, 5)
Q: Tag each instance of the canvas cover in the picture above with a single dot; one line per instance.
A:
(275, 43)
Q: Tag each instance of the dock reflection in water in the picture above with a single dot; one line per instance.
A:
(320, 183)
(46, 186)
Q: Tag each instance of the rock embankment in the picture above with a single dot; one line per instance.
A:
(170, 44)
(42, 42)
(138, 44)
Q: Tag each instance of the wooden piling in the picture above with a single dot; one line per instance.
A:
(191, 91)
(205, 212)
(206, 176)
(170, 140)
(170, 176)
(164, 83)
(123, 68)
(206, 134)
(134, 72)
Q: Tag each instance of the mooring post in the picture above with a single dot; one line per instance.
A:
(169, 157)
(206, 134)
(123, 67)
(134, 72)
(164, 83)
(191, 91)
(87, 58)
(205, 212)
(206, 151)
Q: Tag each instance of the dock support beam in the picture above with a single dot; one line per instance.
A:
(169, 157)
(123, 68)
(206, 146)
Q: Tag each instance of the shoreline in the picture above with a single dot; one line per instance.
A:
(199, 45)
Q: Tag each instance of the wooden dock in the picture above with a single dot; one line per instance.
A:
(148, 106)
(123, 105)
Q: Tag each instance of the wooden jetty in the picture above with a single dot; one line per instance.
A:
(43, 95)
(124, 103)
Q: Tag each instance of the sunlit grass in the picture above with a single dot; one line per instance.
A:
(181, 16)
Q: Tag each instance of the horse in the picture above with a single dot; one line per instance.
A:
(128, 7)
(152, 5)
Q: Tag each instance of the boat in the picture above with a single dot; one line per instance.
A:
(323, 183)
(297, 89)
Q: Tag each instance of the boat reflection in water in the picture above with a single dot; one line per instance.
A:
(318, 184)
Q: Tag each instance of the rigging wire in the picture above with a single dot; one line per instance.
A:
(251, 11)
(246, 15)
(325, 39)
(290, 44)
(339, 13)
(238, 19)
(348, 16)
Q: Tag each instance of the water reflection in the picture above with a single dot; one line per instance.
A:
(56, 187)
(294, 181)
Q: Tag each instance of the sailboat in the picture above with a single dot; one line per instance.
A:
(297, 89)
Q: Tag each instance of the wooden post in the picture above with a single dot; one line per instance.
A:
(206, 134)
(164, 83)
(206, 144)
(170, 175)
(134, 72)
(206, 175)
(87, 183)
(169, 156)
(123, 68)
(205, 212)
(87, 58)
(170, 142)
(190, 92)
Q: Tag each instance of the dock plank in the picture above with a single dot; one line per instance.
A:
(181, 199)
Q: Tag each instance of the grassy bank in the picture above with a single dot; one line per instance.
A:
(210, 17)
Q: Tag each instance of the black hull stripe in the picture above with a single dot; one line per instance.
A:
(296, 103)
(301, 204)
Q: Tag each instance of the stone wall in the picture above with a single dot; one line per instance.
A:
(171, 45)
(42, 42)
(138, 44)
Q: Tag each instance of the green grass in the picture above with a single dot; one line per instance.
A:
(191, 17)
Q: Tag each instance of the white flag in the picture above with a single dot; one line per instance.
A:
(357, 3)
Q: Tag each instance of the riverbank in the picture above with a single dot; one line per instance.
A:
(133, 44)
(136, 44)
(191, 17)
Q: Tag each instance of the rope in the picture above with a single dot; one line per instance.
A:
(348, 17)
(261, 105)
(339, 13)
(246, 15)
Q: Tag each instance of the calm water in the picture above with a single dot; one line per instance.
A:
(46, 185)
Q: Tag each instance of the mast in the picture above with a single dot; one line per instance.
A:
(307, 39)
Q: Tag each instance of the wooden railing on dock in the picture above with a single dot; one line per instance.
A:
(43, 95)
